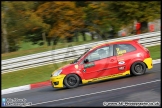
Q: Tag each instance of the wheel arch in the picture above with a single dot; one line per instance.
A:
(80, 82)
(137, 62)
(133, 61)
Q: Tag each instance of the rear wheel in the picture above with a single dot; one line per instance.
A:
(138, 68)
(71, 81)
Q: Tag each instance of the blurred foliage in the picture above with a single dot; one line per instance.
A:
(43, 22)
(100, 19)
(63, 17)
(141, 11)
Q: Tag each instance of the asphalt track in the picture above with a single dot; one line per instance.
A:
(145, 88)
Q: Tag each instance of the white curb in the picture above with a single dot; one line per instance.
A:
(156, 61)
(27, 87)
(15, 89)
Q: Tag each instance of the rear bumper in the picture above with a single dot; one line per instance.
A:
(148, 62)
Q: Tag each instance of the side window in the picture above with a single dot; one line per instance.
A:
(100, 53)
(124, 48)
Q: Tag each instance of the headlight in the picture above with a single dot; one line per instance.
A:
(57, 73)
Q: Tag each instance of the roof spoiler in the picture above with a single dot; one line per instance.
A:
(136, 40)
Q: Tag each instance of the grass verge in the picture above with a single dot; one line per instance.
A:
(155, 51)
(42, 73)
(28, 76)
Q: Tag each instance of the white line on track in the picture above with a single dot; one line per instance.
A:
(97, 92)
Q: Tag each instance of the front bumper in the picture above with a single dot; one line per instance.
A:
(57, 81)
(148, 62)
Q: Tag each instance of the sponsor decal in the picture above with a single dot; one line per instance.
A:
(95, 79)
(107, 77)
(138, 55)
(122, 68)
(76, 66)
(120, 52)
(121, 62)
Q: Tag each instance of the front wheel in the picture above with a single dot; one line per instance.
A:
(138, 68)
(71, 81)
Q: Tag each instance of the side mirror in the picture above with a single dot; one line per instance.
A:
(86, 61)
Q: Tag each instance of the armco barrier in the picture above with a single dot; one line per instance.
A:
(70, 53)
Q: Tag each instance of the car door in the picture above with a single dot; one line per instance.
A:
(112, 67)
(98, 63)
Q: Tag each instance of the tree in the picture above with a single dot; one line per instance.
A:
(98, 18)
(4, 38)
(19, 21)
(141, 11)
(36, 29)
(63, 18)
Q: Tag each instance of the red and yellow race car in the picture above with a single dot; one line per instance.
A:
(104, 61)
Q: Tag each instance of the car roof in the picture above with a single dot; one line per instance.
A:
(114, 42)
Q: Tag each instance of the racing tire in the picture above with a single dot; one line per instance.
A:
(138, 68)
(71, 81)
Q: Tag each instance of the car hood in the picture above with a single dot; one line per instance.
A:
(67, 68)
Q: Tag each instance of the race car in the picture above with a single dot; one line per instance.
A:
(102, 62)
